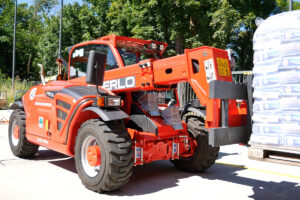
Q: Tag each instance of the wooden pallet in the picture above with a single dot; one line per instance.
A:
(3, 103)
(277, 154)
(3, 100)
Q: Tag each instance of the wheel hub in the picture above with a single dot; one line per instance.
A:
(91, 156)
(94, 156)
(16, 132)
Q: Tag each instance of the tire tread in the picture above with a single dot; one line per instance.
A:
(120, 154)
(25, 149)
(205, 155)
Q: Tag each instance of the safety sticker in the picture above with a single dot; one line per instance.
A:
(223, 67)
(78, 53)
(41, 122)
(138, 152)
(209, 70)
(32, 93)
(174, 150)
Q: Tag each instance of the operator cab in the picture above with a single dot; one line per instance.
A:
(120, 52)
(79, 59)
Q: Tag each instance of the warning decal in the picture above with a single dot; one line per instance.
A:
(223, 67)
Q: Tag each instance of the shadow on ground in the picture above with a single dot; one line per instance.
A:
(58, 159)
(46, 154)
(221, 154)
(161, 175)
(261, 189)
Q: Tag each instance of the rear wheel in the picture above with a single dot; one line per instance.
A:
(18, 142)
(103, 155)
(204, 155)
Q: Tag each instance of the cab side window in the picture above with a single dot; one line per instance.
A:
(79, 59)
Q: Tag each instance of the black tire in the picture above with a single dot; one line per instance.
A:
(205, 155)
(116, 155)
(20, 147)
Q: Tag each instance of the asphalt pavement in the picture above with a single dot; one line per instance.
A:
(51, 175)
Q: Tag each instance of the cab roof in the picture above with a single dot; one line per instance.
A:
(135, 45)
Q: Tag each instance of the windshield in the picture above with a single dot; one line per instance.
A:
(79, 59)
(130, 58)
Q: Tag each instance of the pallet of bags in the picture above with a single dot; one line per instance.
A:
(276, 82)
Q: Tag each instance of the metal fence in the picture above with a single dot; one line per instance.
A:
(240, 76)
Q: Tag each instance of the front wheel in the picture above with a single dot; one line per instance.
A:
(204, 155)
(103, 155)
(18, 142)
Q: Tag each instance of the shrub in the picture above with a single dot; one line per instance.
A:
(6, 86)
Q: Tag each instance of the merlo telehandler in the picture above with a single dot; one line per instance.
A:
(116, 106)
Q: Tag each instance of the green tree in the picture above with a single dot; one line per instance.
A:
(40, 9)
(6, 28)
(176, 22)
(101, 9)
(191, 23)
(29, 27)
(233, 23)
(79, 24)
(284, 5)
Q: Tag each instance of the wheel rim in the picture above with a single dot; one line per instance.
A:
(15, 133)
(91, 156)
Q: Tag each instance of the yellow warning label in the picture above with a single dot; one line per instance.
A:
(223, 67)
(46, 125)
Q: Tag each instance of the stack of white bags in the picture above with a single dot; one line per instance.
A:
(276, 83)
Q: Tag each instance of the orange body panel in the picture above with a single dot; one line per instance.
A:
(170, 70)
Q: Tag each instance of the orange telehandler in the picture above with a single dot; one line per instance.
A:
(116, 107)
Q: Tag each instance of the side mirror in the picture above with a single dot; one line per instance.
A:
(95, 68)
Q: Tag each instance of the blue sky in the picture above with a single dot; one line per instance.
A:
(56, 8)
(65, 1)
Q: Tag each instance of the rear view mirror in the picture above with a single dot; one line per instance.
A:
(95, 68)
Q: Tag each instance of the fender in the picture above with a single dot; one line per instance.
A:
(108, 115)
(86, 105)
(17, 105)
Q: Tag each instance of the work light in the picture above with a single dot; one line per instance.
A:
(108, 101)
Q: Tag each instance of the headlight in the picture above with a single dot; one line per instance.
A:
(114, 101)
(108, 101)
